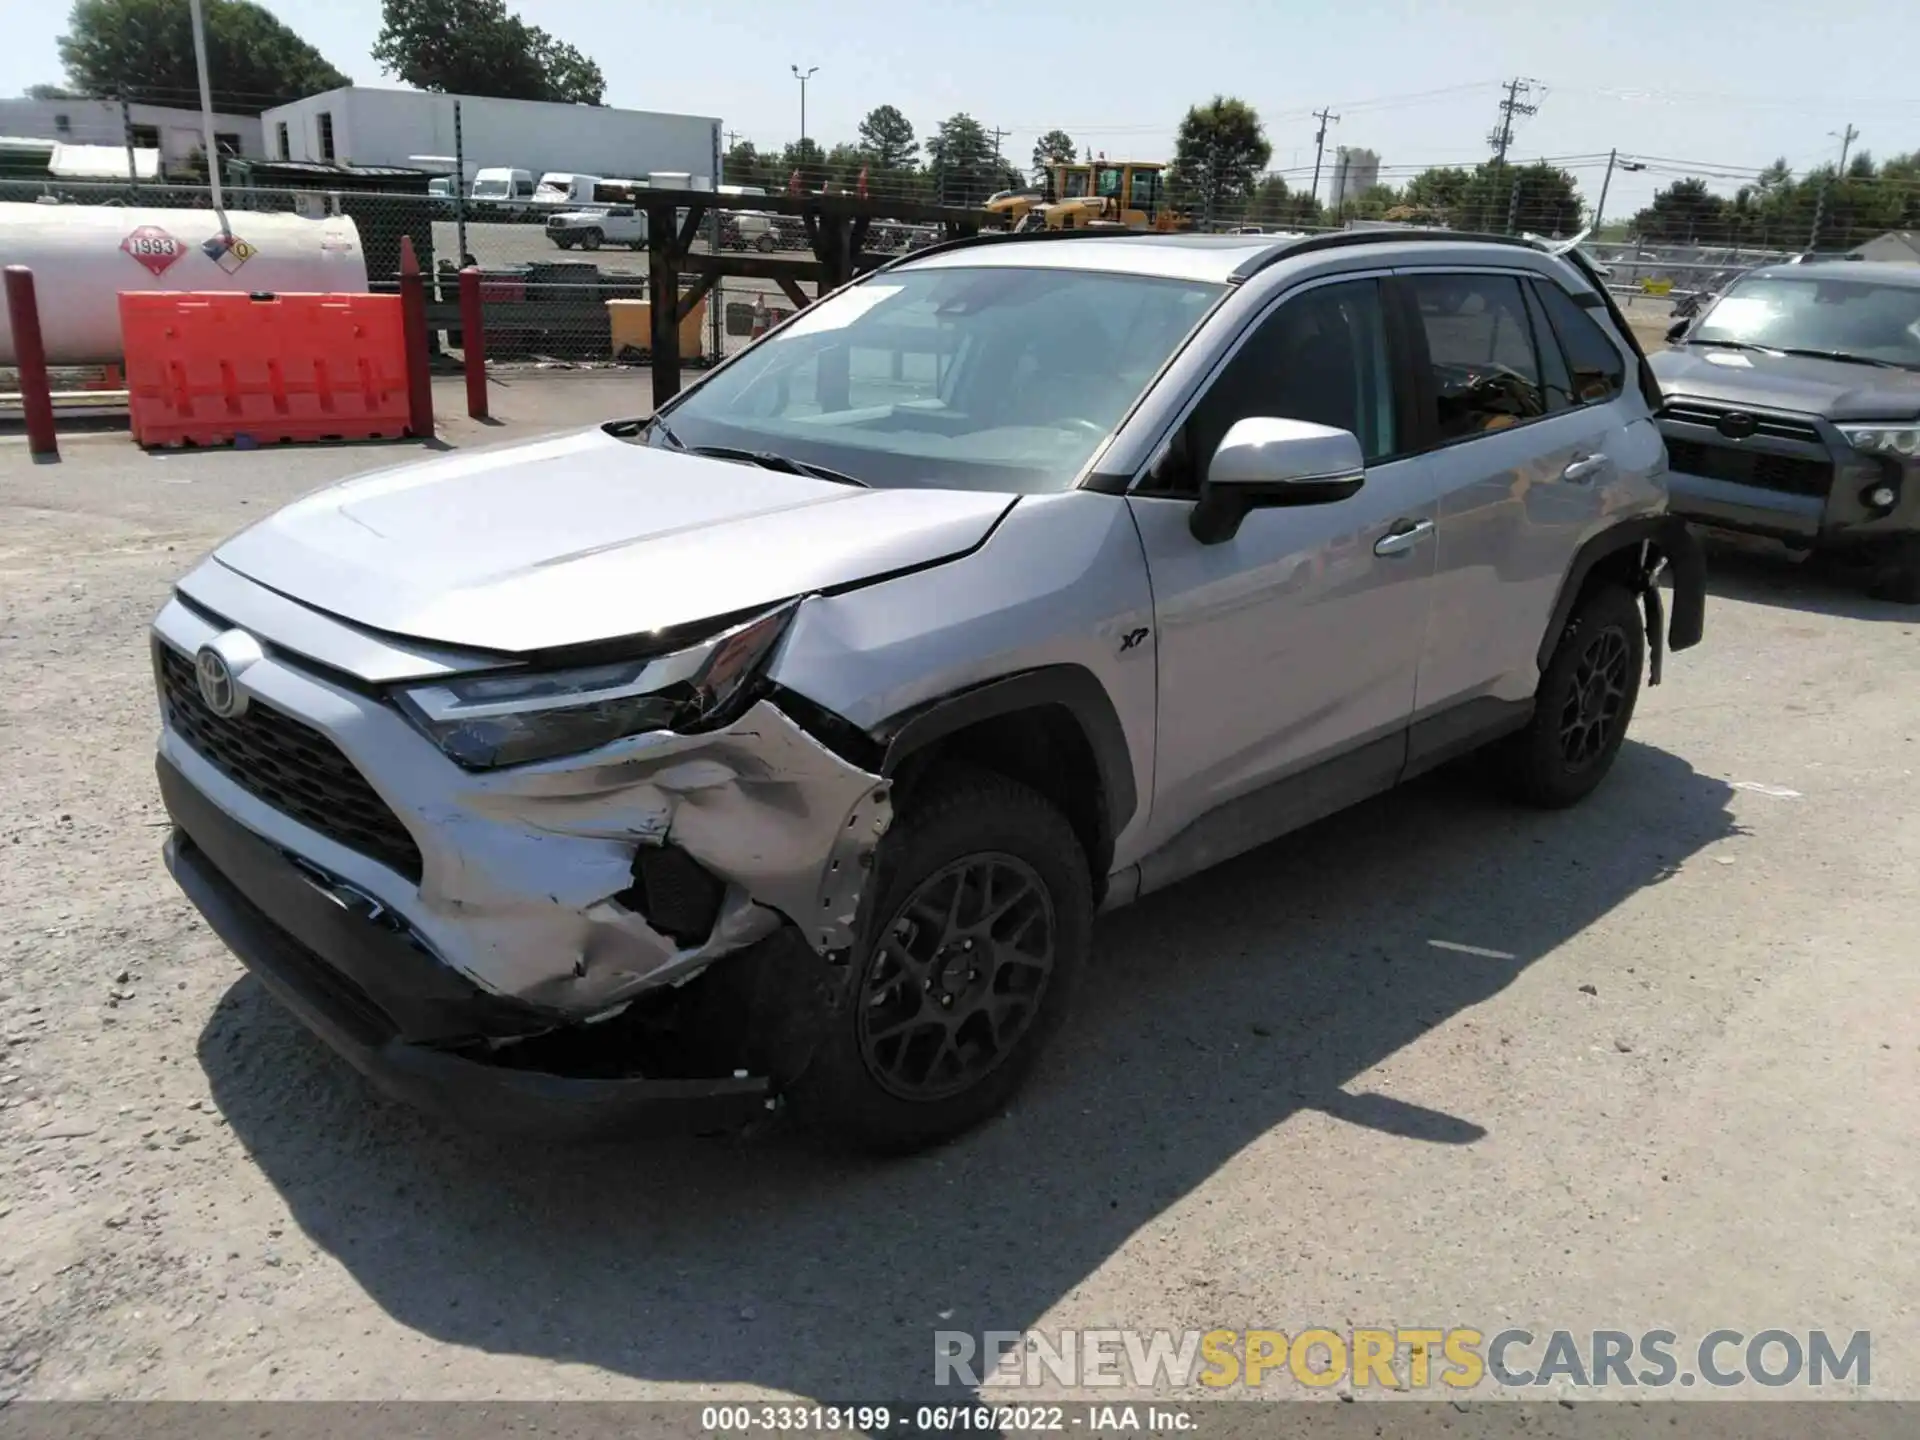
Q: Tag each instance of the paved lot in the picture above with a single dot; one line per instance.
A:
(1669, 1083)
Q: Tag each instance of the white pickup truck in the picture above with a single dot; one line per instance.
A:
(590, 229)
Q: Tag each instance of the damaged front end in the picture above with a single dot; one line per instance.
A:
(654, 926)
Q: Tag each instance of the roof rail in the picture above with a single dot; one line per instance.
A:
(1341, 239)
(1000, 237)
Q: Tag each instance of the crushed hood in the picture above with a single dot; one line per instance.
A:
(1829, 388)
(585, 537)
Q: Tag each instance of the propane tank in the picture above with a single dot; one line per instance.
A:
(83, 256)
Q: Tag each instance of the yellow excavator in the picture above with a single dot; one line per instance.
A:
(1093, 195)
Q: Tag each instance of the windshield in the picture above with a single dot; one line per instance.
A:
(490, 189)
(1860, 317)
(995, 378)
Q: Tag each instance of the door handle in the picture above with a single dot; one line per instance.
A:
(1406, 535)
(1584, 469)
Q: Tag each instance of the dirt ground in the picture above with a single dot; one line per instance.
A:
(1648, 1063)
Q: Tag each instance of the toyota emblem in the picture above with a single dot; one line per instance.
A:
(217, 685)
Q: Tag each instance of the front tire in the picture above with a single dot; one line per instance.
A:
(1898, 579)
(591, 240)
(976, 929)
(1583, 705)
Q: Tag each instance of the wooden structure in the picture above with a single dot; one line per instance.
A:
(836, 228)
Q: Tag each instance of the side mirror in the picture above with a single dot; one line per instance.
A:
(1265, 461)
(1677, 331)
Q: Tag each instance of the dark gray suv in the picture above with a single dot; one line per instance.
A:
(1793, 411)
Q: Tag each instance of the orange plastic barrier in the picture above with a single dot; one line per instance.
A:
(211, 368)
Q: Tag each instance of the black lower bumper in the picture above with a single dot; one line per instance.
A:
(371, 992)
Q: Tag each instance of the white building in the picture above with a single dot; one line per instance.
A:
(175, 133)
(362, 126)
(1354, 173)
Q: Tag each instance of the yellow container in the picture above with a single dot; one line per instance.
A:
(632, 324)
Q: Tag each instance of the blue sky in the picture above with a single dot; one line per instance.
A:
(1727, 86)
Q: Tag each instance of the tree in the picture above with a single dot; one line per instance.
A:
(1274, 203)
(961, 163)
(887, 138)
(479, 47)
(52, 92)
(1053, 148)
(747, 166)
(143, 50)
(1681, 213)
(1218, 155)
(1438, 192)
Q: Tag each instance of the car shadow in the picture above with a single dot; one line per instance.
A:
(1213, 1012)
(1817, 584)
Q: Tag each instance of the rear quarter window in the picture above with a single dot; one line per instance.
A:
(1598, 369)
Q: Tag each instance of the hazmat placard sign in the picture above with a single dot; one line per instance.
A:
(153, 248)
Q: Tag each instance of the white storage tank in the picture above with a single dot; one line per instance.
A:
(83, 256)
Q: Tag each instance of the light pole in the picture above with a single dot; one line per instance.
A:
(803, 76)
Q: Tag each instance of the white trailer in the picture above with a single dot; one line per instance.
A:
(358, 125)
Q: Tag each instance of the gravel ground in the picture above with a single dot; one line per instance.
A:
(1669, 1084)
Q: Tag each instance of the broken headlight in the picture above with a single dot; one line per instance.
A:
(484, 722)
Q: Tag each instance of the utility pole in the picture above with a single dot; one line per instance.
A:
(1320, 147)
(126, 133)
(1846, 140)
(1502, 134)
(998, 163)
(1613, 158)
(733, 137)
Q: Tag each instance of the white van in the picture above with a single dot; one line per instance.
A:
(558, 188)
(501, 185)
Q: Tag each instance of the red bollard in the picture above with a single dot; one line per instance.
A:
(473, 340)
(413, 321)
(30, 359)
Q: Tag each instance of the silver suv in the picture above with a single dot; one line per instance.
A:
(781, 748)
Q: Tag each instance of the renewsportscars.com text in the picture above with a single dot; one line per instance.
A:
(1401, 1358)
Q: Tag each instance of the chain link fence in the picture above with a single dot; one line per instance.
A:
(561, 287)
(567, 288)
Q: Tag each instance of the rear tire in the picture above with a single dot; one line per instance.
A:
(765, 243)
(1583, 705)
(975, 930)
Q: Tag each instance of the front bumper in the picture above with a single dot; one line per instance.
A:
(522, 884)
(1794, 478)
(364, 982)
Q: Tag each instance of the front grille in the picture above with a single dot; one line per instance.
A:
(1774, 427)
(1788, 474)
(290, 766)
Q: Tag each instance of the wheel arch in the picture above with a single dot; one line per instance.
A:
(1053, 728)
(1630, 554)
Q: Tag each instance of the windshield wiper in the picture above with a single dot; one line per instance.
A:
(1841, 355)
(659, 427)
(768, 460)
